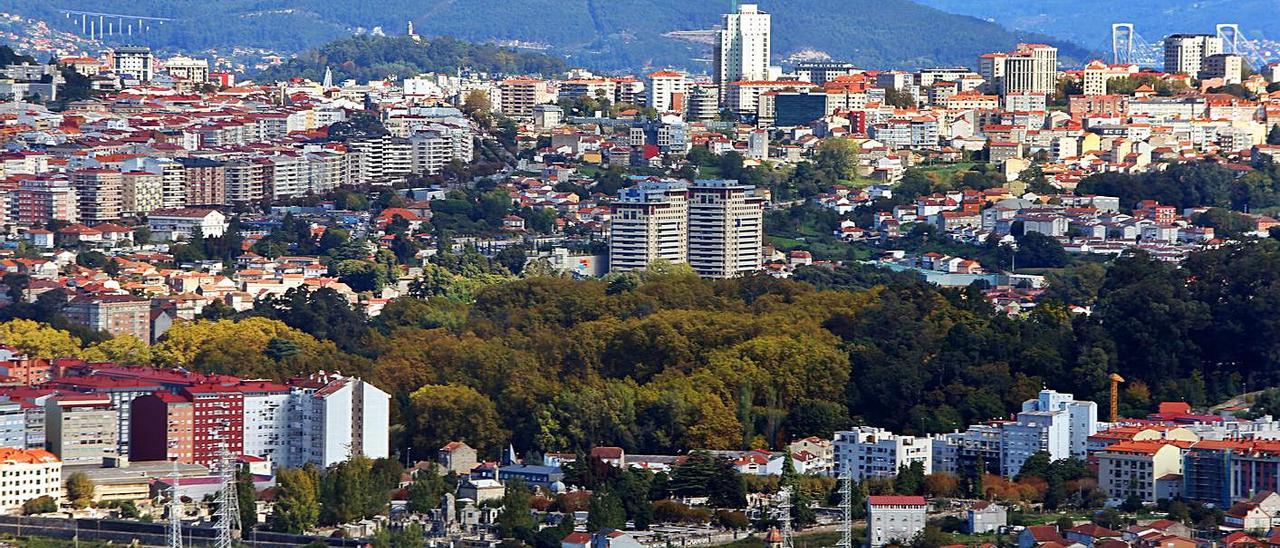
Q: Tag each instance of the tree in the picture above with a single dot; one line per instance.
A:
(605, 511)
(246, 498)
(409, 536)
(426, 490)
(1064, 523)
(443, 413)
(79, 490)
(349, 491)
(39, 505)
(931, 537)
(516, 519)
(297, 507)
(1273, 135)
(1036, 250)
(39, 340)
(910, 479)
(941, 485)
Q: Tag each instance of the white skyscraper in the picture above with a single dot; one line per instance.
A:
(742, 50)
(726, 221)
(1185, 53)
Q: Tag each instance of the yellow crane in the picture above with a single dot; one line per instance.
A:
(1115, 397)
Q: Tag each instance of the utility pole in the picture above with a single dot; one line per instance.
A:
(228, 513)
(175, 511)
(846, 510)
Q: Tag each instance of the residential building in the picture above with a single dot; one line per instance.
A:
(217, 413)
(743, 46)
(183, 223)
(1149, 470)
(821, 72)
(457, 457)
(1227, 66)
(99, 194)
(115, 314)
(986, 517)
(266, 420)
(245, 181)
(726, 229)
(286, 176)
(1185, 53)
(1030, 67)
(121, 392)
(44, 199)
(650, 222)
(1054, 423)
(205, 180)
(13, 424)
(193, 70)
(134, 61)
(668, 91)
(81, 428)
(870, 452)
(520, 95)
(336, 417)
(27, 474)
(140, 193)
(894, 519)
(162, 428)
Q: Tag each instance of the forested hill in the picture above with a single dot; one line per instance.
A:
(617, 34)
(370, 58)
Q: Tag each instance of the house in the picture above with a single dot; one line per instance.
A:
(986, 517)
(894, 518)
(1240, 539)
(608, 538)
(1035, 535)
(456, 457)
(1259, 513)
(1089, 534)
(480, 490)
(613, 456)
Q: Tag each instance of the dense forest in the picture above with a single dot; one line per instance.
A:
(621, 34)
(371, 58)
(663, 361)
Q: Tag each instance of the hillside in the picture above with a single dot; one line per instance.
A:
(1077, 20)
(619, 34)
(369, 58)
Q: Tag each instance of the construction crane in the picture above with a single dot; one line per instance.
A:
(1115, 397)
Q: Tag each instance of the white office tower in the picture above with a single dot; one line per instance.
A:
(650, 222)
(726, 234)
(1054, 423)
(1185, 53)
(742, 48)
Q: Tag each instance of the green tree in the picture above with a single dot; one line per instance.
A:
(80, 490)
(297, 507)
(246, 498)
(605, 511)
(39, 505)
(349, 491)
(443, 413)
(1273, 135)
(516, 519)
(426, 490)
(910, 479)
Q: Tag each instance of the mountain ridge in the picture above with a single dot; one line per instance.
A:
(618, 35)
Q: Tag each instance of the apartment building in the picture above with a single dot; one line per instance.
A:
(99, 195)
(870, 452)
(1185, 53)
(287, 175)
(140, 193)
(726, 228)
(217, 421)
(115, 314)
(668, 90)
(43, 199)
(205, 181)
(742, 46)
(135, 61)
(520, 95)
(266, 420)
(27, 474)
(163, 428)
(894, 518)
(650, 222)
(1029, 67)
(1054, 423)
(335, 417)
(81, 428)
(1149, 470)
(246, 181)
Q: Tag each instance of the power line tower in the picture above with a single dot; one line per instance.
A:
(846, 510)
(784, 516)
(175, 511)
(228, 514)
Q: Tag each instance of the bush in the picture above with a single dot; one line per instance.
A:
(731, 519)
(39, 505)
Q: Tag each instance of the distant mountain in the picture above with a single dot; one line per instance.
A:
(605, 34)
(1088, 22)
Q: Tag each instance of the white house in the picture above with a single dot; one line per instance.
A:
(183, 223)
